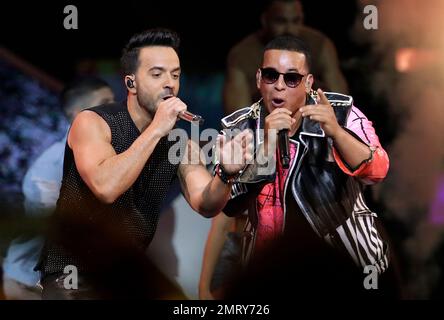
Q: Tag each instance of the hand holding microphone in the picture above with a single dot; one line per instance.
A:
(281, 120)
(186, 115)
(168, 111)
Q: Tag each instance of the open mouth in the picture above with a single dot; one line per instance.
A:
(167, 97)
(277, 103)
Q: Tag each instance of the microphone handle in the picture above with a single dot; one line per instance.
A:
(190, 117)
(284, 148)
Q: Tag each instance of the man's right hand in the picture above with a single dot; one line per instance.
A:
(277, 120)
(167, 115)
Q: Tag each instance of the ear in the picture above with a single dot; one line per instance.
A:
(258, 78)
(308, 82)
(130, 79)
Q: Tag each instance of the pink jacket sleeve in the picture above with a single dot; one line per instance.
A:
(374, 169)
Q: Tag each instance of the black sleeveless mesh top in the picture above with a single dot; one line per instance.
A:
(84, 230)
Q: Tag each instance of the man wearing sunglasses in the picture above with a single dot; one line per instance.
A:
(334, 151)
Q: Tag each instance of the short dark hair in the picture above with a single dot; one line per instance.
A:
(290, 43)
(79, 89)
(150, 37)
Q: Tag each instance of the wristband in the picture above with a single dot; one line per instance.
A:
(224, 176)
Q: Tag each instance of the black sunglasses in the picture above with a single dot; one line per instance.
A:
(271, 75)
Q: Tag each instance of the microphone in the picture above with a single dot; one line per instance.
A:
(190, 117)
(186, 115)
(284, 148)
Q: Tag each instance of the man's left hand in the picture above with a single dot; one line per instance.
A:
(324, 114)
(237, 152)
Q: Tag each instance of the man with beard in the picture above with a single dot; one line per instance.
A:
(117, 172)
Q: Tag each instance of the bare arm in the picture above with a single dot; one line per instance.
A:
(220, 227)
(106, 173)
(206, 194)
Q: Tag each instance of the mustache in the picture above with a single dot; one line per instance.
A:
(167, 94)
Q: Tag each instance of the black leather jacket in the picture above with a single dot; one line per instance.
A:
(330, 200)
